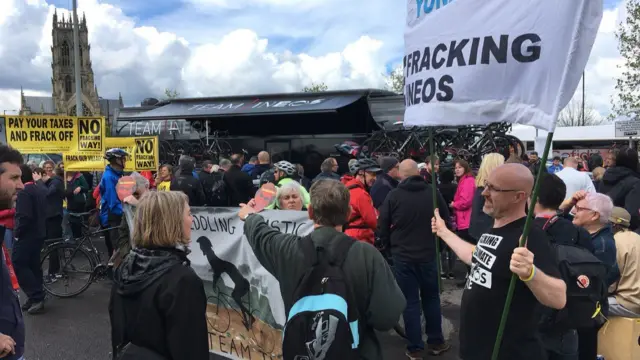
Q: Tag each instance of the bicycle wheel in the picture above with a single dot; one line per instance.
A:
(223, 149)
(262, 334)
(73, 262)
(220, 319)
(518, 146)
(166, 152)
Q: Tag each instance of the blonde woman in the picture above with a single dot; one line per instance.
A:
(481, 222)
(158, 305)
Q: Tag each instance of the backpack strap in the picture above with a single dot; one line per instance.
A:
(550, 221)
(309, 250)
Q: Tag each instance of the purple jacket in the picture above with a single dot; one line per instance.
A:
(462, 201)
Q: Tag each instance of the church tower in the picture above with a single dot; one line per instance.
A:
(63, 80)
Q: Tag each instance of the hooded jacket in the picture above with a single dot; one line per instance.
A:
(404, 223)
(189, 184)
(623, 187)
(378, 298)
(158, 302)
(109, 201)
(364, 217)
(462, 201)
(381, 188)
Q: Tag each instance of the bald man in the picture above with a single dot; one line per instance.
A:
(264, 164)
(575, 180)
(494, 260)
(403, 227)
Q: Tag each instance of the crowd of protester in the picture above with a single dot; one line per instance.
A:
(385, 205)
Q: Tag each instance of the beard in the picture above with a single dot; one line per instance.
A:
(6, 199)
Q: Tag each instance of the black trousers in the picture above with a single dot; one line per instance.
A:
(26, 263)
(111, 236)
(54, 232)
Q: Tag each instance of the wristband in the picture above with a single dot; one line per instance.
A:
(533, 273)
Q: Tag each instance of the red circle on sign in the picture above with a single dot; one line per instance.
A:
(126, 186)
(583, 281)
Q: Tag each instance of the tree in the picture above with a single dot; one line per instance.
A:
(170, 94)
(628, 84)
(571, 115)
(320, 87)
(395, 81)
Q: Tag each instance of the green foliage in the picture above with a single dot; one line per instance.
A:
(171, 94)
(627, 99)
(320, 87)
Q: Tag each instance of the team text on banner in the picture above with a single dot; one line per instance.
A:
(55, 134)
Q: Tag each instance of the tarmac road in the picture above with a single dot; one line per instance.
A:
(78, 328)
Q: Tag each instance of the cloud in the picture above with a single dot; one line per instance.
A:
(141, 60)
(223, 47)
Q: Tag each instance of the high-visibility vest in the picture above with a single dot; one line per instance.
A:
(12, 273)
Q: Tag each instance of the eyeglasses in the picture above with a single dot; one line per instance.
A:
(579, 208)
(492, 188)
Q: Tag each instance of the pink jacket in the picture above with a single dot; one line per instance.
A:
(462, 201)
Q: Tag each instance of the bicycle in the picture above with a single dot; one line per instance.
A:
(221, 322)
(72, 255)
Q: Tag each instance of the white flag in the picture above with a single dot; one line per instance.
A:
(482, 61)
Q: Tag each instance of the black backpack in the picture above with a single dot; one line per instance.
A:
(219, 194)
(587, 291)
(323, 321)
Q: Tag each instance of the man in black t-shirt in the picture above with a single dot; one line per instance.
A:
(494, 260)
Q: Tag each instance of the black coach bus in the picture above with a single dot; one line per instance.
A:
(298, 127)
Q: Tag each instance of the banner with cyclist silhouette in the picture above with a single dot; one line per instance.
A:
(514, 61)
(143, 150)
(245, 312)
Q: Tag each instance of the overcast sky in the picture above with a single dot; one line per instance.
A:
(229, 47)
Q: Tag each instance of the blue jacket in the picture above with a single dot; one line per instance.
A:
(605, 249)
(11, 320)
(248, 168)
(554, 169)
(109, 202)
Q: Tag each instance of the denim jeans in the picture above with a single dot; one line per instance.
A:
(419, 284)
(563, 346)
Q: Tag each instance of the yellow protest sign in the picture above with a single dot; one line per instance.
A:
(146, 153)
(55, 134)
(143, 155)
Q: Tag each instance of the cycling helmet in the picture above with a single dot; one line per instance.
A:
(286, 167)
(115, 153)
(349, 148)
(365, 164)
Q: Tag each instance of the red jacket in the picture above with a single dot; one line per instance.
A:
(364, 217)
(7, 218)
(462, 201)
(346, 178)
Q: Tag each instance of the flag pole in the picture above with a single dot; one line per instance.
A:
(523, 241)
(435, 203)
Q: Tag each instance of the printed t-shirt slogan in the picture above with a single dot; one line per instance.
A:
(504, 60)
(54, 134)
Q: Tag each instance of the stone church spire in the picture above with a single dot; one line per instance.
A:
(63, 80)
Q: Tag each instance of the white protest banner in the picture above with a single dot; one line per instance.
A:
(218, 242)
(477, 62)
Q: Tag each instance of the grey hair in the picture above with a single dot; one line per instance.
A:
(327, 165)
(287, 188)
(601, 204)
(141, 181)
(225, 163)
